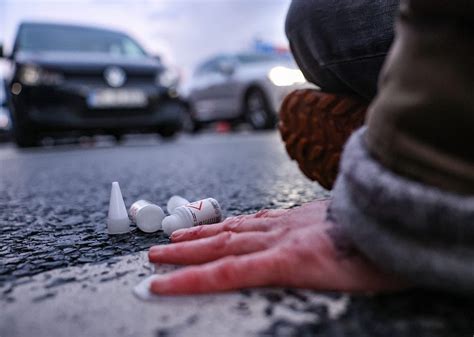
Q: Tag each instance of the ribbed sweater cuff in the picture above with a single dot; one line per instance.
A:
(421, 233)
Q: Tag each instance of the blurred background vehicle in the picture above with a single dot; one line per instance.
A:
(5, 123)
(246, 87)
(91, 80)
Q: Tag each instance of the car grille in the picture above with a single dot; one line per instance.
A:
(98, 79)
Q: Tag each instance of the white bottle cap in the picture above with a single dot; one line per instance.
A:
(175, 202)
(172, 223)
(117, 221)
(149, 218)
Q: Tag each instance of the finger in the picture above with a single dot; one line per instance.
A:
(254, 270)
(210, 249)
(236, 224)
(269, 213)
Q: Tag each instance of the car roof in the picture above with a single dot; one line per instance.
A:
(67, 25)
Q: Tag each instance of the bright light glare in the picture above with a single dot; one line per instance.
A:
(284, 77)
(34, 75)
(4, 120)
(30, 75)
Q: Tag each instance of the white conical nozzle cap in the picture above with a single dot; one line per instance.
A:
(118, 221)
(172, 223)
(175, 202)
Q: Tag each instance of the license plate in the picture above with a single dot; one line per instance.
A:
(117, 98)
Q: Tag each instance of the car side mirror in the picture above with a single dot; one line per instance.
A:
(227, 68)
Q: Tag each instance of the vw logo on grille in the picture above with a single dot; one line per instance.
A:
(115, 76)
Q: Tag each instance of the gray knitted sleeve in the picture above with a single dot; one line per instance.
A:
(419, 232)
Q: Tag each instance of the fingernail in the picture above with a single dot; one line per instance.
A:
(159, 285)
(152, 287)
(178, 233)
(154, 251)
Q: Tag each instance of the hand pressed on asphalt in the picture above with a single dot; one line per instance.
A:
(264, 221)
(293, 248)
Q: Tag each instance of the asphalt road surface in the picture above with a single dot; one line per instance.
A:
(62, 274)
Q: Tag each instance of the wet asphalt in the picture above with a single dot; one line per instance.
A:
(54, 200)
(53, 208)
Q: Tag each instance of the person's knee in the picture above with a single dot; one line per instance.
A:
(335, 47)
(300, 28)
(304, 12)
(307, 36)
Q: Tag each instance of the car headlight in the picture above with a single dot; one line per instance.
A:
(283, 76)
(30, 75)
(4, 120)
(34, 75)
(167, 78)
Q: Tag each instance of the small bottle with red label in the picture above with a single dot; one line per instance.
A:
(202, 212)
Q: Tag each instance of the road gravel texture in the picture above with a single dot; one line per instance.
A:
(55, 251)
(54, 202)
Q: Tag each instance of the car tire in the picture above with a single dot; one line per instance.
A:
(190, 125)
(257, 110)
(25, 136)
(168, 132)
(118, 137)
(170, 128)
(197, 127)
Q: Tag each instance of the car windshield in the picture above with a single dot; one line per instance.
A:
(256, 58)
(2, 91)
(40, 38)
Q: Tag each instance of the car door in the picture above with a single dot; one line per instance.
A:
(213, 93)
(225, 88)
(205, 102)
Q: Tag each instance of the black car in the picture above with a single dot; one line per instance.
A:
(87, 79)
(4, 114)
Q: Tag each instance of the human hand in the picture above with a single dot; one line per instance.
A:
(262, 221)
(293, 248)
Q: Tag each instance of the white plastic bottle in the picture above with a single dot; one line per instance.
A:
(202, 212)
(147, 216)
(175, 202)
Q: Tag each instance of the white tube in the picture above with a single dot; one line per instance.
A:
(147, 216)
(202, 212)
(175, 202)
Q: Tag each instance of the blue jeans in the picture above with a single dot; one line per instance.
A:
(341, 45)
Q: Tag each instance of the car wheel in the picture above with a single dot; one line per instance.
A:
(25, 136)
(168, 132)
(257, 110)
(197, 127)
(118, 137)
(189, 124)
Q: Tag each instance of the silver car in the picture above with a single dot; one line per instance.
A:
(246, 86)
